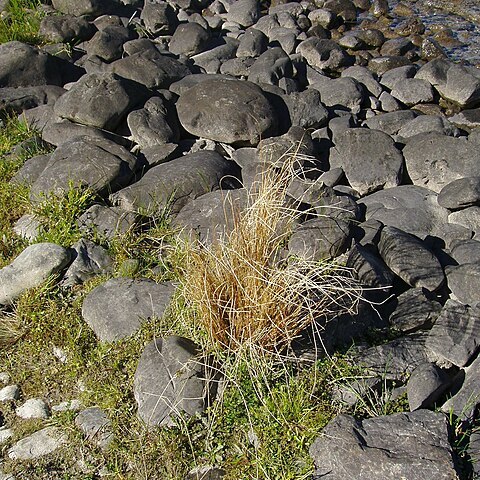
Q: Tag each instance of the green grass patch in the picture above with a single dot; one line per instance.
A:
(21, 22)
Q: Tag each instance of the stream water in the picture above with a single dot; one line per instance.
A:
(461, 16)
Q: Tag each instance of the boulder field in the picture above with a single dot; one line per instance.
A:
(179, 105)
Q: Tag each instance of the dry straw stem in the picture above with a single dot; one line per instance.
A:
(244, 292)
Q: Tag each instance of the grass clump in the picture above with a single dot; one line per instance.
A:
(245, 292)
(21, 21)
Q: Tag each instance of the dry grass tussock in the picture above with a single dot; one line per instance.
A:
(246, 292)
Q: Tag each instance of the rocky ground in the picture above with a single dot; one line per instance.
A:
(166, 106)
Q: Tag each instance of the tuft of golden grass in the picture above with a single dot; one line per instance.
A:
(245, 291)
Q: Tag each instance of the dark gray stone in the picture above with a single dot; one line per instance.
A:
(211, 216)
(158, 154)
(153, 124)
(409, 258)
(409, 208)
(365, 77)
(465, 402)
(28, 226)
(38, 117)
(468, 119)
(468, 218)
(341, 92)
(171, 379)
(391, 122)
(100, 100)
(244, 12)
(211, 60)
(369, 159)
(96, 426)
(83, 7)
(434, 160)
(381, 65)
(397, 358)
(31, 170)
(107, 44)
(412, 91)
(99, 164)
(189, 39)
(229, 111)
(324, 54)
(391, 77)
(237, 67)
(22, 65)
(252, 43)
(171, 185)
(106, 222)
(150, 68)
(118, 308)
(181, 86)
(320, 238)
(464, 282)
(65, 28)
(454, 336)
(426, 385)
(342, 8)
(403, 445)
(460, 193)
(158, 17)
(270, 67)
(456, 83)
(30, 269)
(414, 311)
(428, 123)
(15, 100)
(466, 251)
(89, 259)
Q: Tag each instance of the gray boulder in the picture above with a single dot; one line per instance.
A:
(90, 259)
(153, 124)
(426, 385)
(391, 77)
(38, 444)
(369, 159)
(468, 218)
(158, 17)
(99, 164)
(210, 61)
(65, 28)
(365, 77)
(434, 160)
(31, 170)
(409, 208)
(106, 222)
(412, 91)
(18, 99)
(306, 109)
(414, 311)
(428, 123)
(211, 216)
(230, 111)
(324, 54)
(371, 449)
(465, 402)
(171, 185)
(30, 269)
(171, 380)
(391, 122)
(22, 65)
(396, 359)
(464, 283)
(107, 43)
(454, 336)
(460, 193)
(118, 308)
(409, 258)
(468, 119)
(150, 68)
(244, 12)
(466, 251)
(189, 39)
(84, 7)
(341, 92)
(96, 426)
(100, 100)
(252, 43)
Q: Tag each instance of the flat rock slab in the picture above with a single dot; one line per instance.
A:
(96, 426)
(433, 160)
(170, 380)
(38, 444)
(409, 258)
(100, 100)
(229, 111)
(414, 311)
(211, 216)
(465, 402)
(410, 208)
(404, 445)
(461, 193)
(464, 282)
(118, 308)
(397, 358)
(106, 222)
(30, 269)
(171, 185)
(99, 164)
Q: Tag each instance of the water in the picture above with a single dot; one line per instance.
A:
(461, 16)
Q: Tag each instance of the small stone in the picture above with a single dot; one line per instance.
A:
(5, 434)
(73, 405)
(4, 377)
(33, 408)
(38, 444)
(96, 426)
(9, 393)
